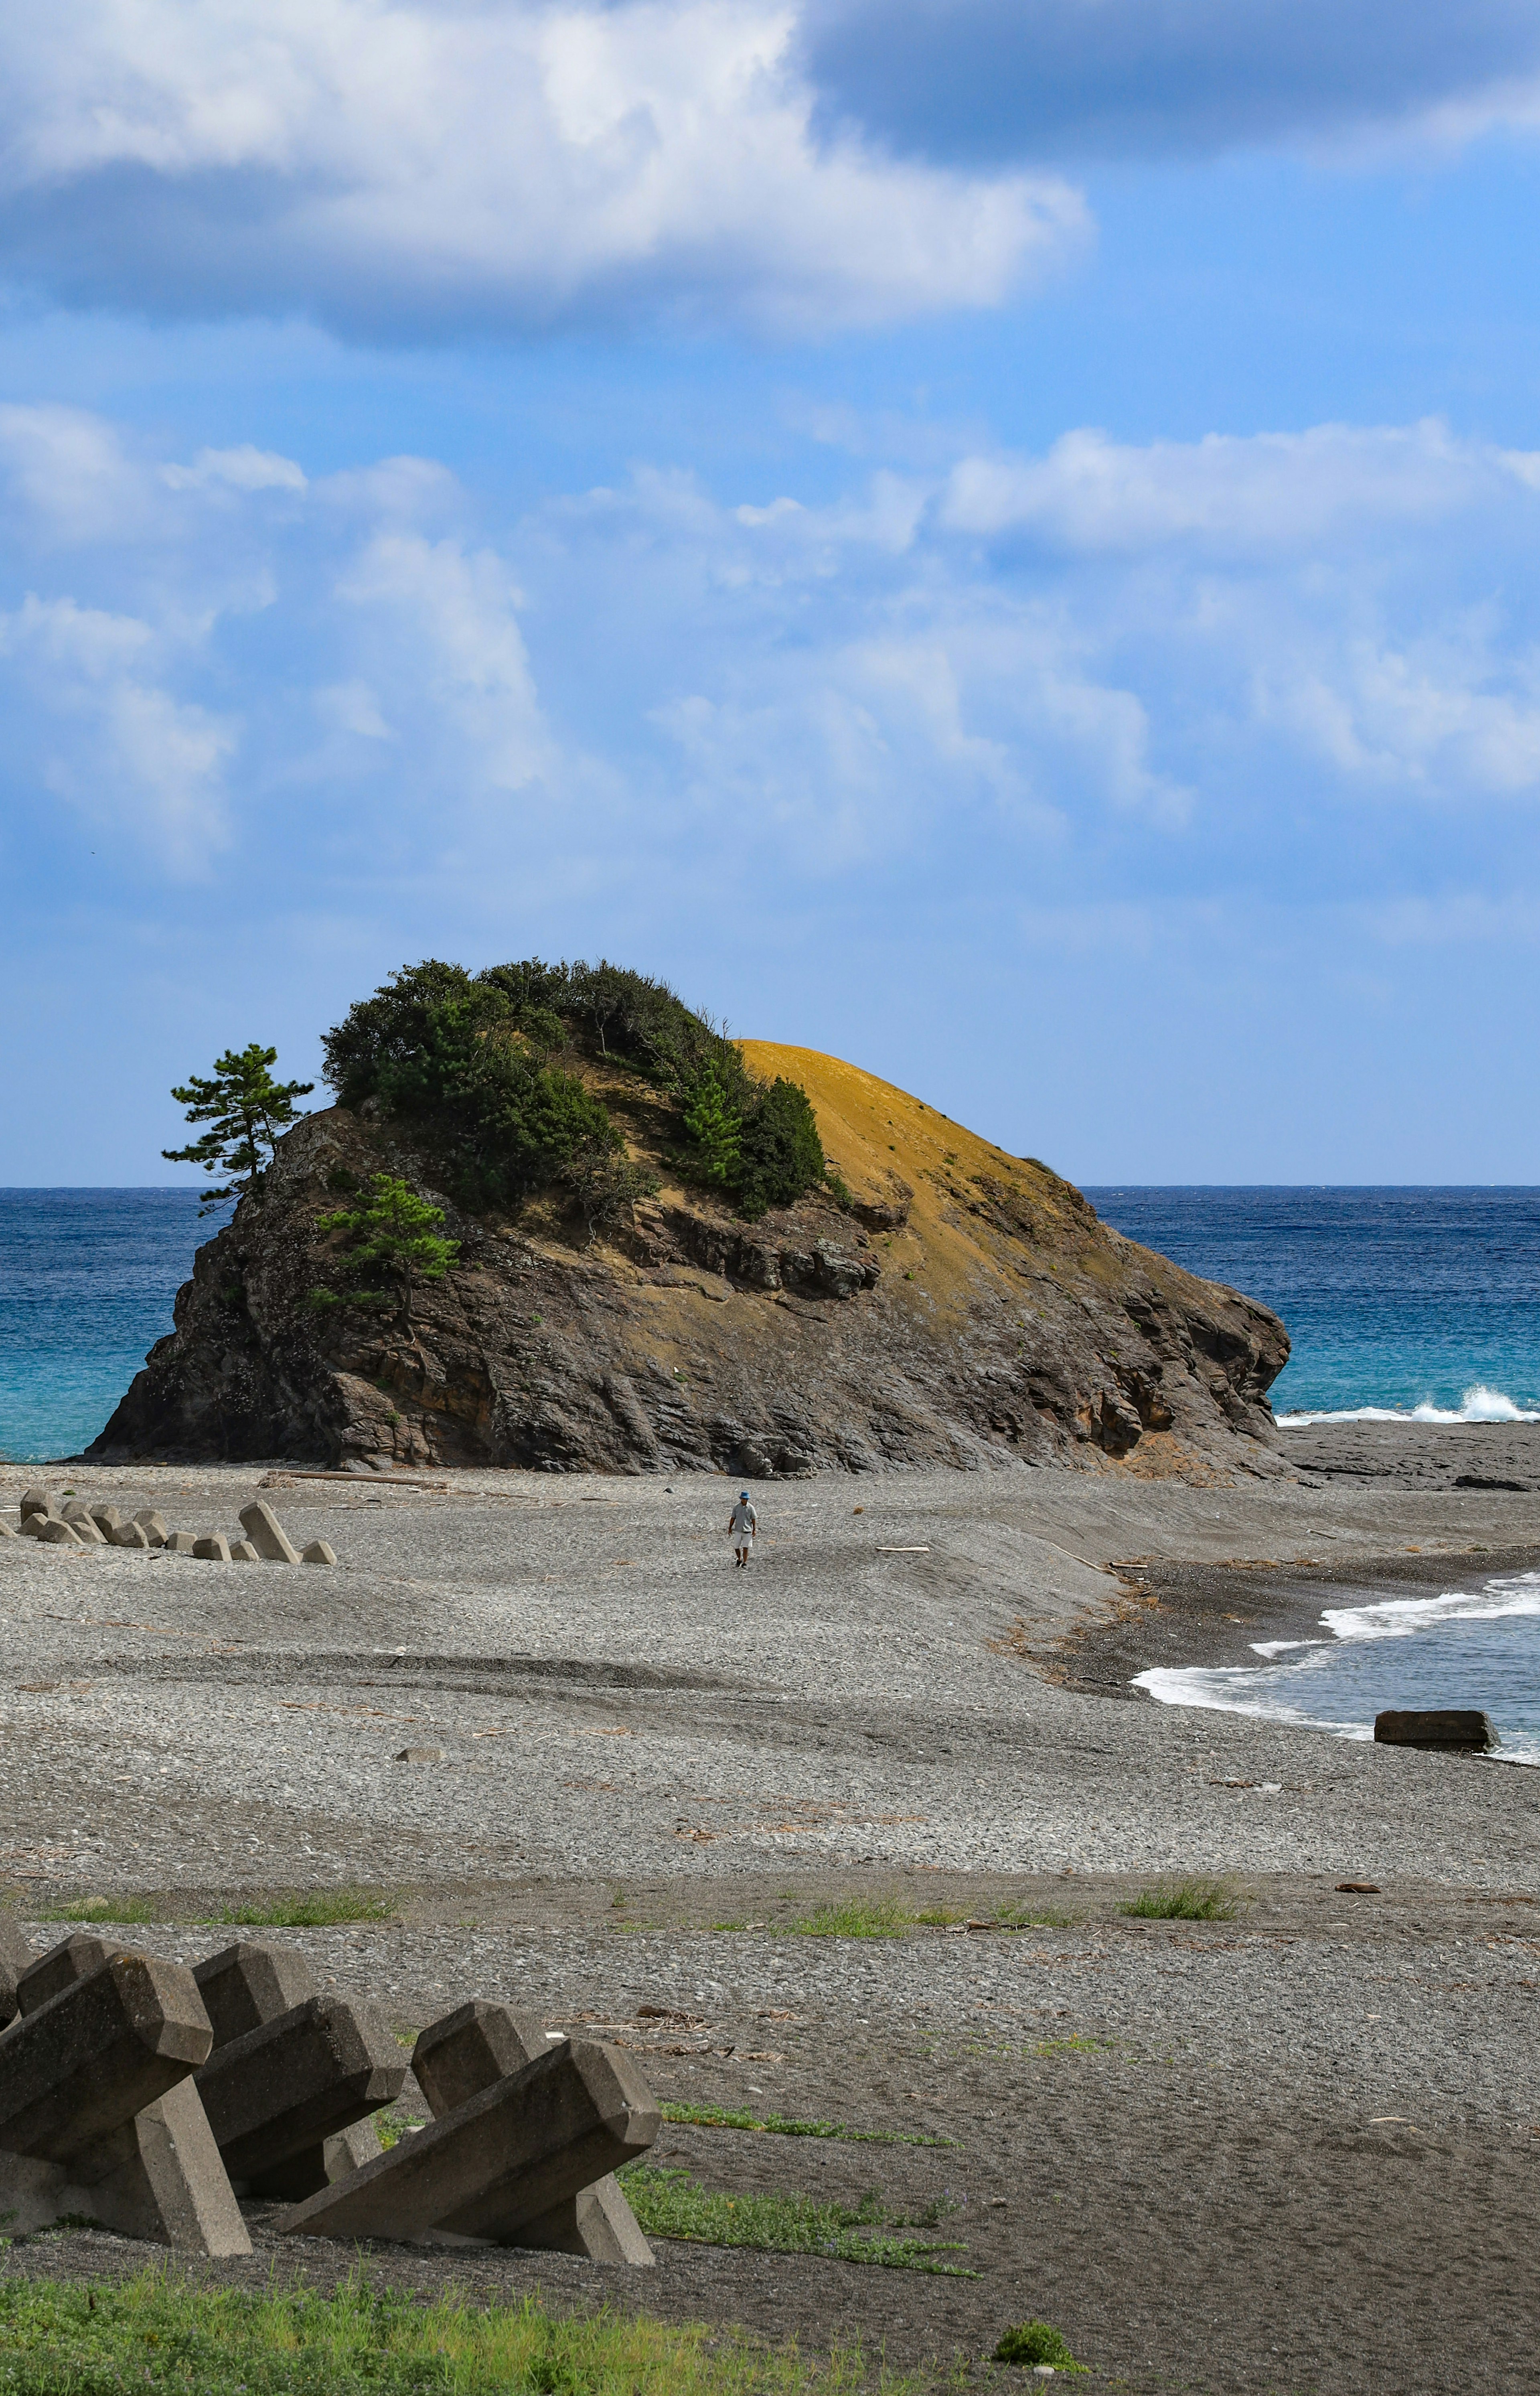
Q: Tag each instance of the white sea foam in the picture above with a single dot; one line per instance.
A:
(1399, 1617)
(1270, 1687)
(1478, 1405)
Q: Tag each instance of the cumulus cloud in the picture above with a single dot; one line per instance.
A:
(116, 743)
(1021, 668)
(986, 82)
(1268, 492)
(425, 166)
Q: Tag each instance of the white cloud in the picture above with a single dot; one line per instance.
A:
(68, 471)
(134, 759)
(245, 469)
(1272, 490)
(453, 627)
(409, 166)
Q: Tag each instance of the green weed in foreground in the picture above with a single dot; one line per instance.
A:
(672, 2205)
(105, 1908)
(1185, 1900)
(881, 1919)
(157, 2333)
(308, 1909)
(718, 2117)
(1037, 2342)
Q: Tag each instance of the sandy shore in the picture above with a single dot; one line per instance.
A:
(1298, 2148)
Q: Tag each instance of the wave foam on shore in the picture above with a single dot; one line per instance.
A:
(1280, 1687)
(1478, 1405)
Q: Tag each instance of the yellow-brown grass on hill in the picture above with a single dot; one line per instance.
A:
(886, 1144)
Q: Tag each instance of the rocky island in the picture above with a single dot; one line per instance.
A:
(676, 1252)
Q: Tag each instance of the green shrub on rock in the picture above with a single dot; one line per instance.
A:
(473, 1063)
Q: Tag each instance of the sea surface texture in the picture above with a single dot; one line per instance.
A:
(1423, 1303)
(87, 1282)
(1414, 1302)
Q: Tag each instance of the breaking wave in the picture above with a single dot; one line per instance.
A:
(1478, 1405)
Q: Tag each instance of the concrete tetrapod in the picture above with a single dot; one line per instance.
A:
(16, 1958)
(267, 1533)
(73, 1959)
(466, 2052)
(255, 1982)
(98, 2111)
(274, 2096)
(499, 2161)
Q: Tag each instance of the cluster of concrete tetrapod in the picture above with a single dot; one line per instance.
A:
(149, 2097)
(74, 1523)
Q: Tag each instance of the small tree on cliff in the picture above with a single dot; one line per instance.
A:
(245, 1110)
(394, 1236)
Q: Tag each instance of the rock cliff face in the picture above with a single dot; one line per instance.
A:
(966, 1308)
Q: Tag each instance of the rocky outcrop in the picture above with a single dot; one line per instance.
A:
(956, 1306)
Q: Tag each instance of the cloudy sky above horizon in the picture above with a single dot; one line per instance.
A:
(993, 536)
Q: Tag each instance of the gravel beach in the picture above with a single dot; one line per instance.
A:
(1299, 2148)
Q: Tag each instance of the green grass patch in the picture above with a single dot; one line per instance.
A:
(1186, 1900)
(671, 2204)
(1037, 2342)
(157, 2333)
(881, 1919)
(315, 1909)
(1020, 1917)
(105, 1908)
(719, 2117)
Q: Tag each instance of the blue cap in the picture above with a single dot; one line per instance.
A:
(744, 1495)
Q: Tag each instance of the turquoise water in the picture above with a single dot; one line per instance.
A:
(1410, 1302)
(1420, 1304)
(1402, 1301)
(87, 1282)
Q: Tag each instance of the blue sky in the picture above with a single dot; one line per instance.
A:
(993, 536)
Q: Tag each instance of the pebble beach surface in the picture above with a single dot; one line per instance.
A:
(587, 1767)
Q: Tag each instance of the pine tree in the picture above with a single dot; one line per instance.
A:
(245, 1110)
(395, 1235)
(716, 1127)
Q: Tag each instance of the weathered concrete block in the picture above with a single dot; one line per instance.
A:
(153, 1525)
(97, 2054)
(107, 1519)
(59, 1967)
(1449, 1730)
(130, 1535)
(294, 2083)
(53, 1532)
(214, 1550)
(87, 1532)
(75, 1509)
(320, 1552)
(267, 1533)
(466, 2052)
(597, 2222)
(250, 1983)
(16, 1958)
(501, 2160)
(7, 1530)
(179, 1543)
(243, 1552)
(36, 1501)
(456, 2058)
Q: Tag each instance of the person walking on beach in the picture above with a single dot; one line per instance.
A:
(742, 1525)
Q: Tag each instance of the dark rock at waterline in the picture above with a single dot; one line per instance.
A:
(953, 1306)
(1449, 1729)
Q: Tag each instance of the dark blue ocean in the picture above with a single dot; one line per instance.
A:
(1400, 1302)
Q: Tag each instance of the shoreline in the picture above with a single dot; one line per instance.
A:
(582, 1768)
